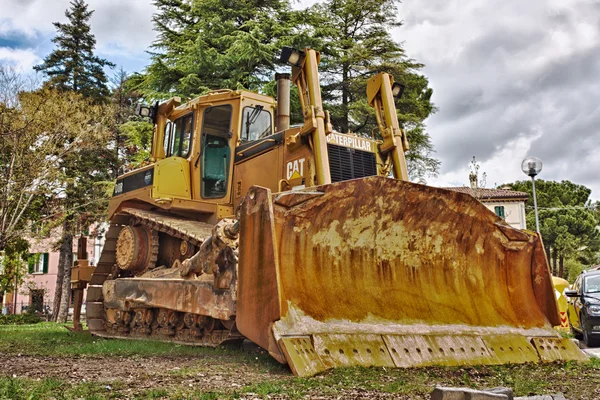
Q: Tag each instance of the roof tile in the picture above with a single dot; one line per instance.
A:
(484, 193)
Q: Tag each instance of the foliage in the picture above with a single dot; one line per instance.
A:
(19, 319)
(568, 223)
(72, 65)
(355, 43)
(573, 268)
(133, 134)
(38, 138)
(54, 163)
(86, 173)
(213, 44)
(138, 142)
(13, 264)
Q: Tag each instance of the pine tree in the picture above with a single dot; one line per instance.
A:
(72, 65)
(214, 44)
(355, 43)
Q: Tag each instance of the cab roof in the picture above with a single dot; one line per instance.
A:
(224, 95)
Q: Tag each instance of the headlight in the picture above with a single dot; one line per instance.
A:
(118, 188)
(148, 177)
(594, 309)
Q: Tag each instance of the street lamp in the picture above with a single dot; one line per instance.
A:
(532, 166)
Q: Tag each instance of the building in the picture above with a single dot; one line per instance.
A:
(505, 203)
(39, 286)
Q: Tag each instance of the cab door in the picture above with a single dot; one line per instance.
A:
(214, 160)
(171, 174)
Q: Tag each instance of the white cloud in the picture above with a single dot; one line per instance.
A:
(511, 78)
(121, 28)
(21, 59)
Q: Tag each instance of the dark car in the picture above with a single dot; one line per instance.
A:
(584, 307)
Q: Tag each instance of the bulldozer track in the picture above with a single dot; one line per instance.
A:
(211, 333)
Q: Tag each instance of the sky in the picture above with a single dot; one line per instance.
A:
(511, 78)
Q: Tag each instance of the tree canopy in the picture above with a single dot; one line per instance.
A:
(42, 136)
(87, 171)
(226, 44)
(213, 44)
(355, 43)
(568, 222)
(72, 65)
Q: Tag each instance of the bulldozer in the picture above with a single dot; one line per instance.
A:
(312, 243)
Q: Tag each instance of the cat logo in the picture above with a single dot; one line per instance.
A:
(295, 169)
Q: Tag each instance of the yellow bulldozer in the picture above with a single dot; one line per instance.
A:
(298, 239)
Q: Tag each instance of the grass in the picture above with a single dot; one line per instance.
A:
(22, 388)
(575, 380)
(51, 339)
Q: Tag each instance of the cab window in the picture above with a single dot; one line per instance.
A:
(167, 141)
(180, 136)
(256, 123)
(216, 132)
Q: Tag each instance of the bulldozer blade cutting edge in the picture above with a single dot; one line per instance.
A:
(377, 271)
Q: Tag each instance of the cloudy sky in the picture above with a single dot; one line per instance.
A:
(511, 78)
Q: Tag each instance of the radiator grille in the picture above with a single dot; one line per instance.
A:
(346, 163)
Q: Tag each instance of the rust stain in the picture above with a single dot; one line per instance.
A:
(402, 252)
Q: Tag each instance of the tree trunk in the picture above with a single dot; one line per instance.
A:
(63, 275)
(561, 268)
(345, 125)
(65, 261)
(60, 275)
(548, 250)
(554, 257)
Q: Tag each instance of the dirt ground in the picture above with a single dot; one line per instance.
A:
(83, 366)
(138, 373)
(134, 377)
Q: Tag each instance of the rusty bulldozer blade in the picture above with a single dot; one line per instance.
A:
(389, 273)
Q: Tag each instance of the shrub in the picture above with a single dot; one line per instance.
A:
(19, 319)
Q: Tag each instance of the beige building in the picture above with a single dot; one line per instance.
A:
(39, 286)
(505, 203)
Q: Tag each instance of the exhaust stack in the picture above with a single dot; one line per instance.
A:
(283, 102)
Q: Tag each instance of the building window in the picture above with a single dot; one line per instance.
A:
(499, 210)
(38, 263)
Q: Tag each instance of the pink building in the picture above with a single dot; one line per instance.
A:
(39, 286)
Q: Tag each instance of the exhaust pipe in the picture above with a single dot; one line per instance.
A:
(283, 102)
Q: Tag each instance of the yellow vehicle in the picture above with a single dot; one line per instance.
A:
(297, 239)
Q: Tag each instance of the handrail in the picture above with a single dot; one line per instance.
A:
(241, 153)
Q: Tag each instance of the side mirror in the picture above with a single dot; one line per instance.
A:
(571, 293)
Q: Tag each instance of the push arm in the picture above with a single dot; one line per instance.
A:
(381, 97)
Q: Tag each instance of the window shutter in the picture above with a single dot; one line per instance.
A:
(45, 265)
(499, 210)
(31, 263)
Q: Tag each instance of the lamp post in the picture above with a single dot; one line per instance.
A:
(532, 166)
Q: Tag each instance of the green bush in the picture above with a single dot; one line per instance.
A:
(19, 319)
